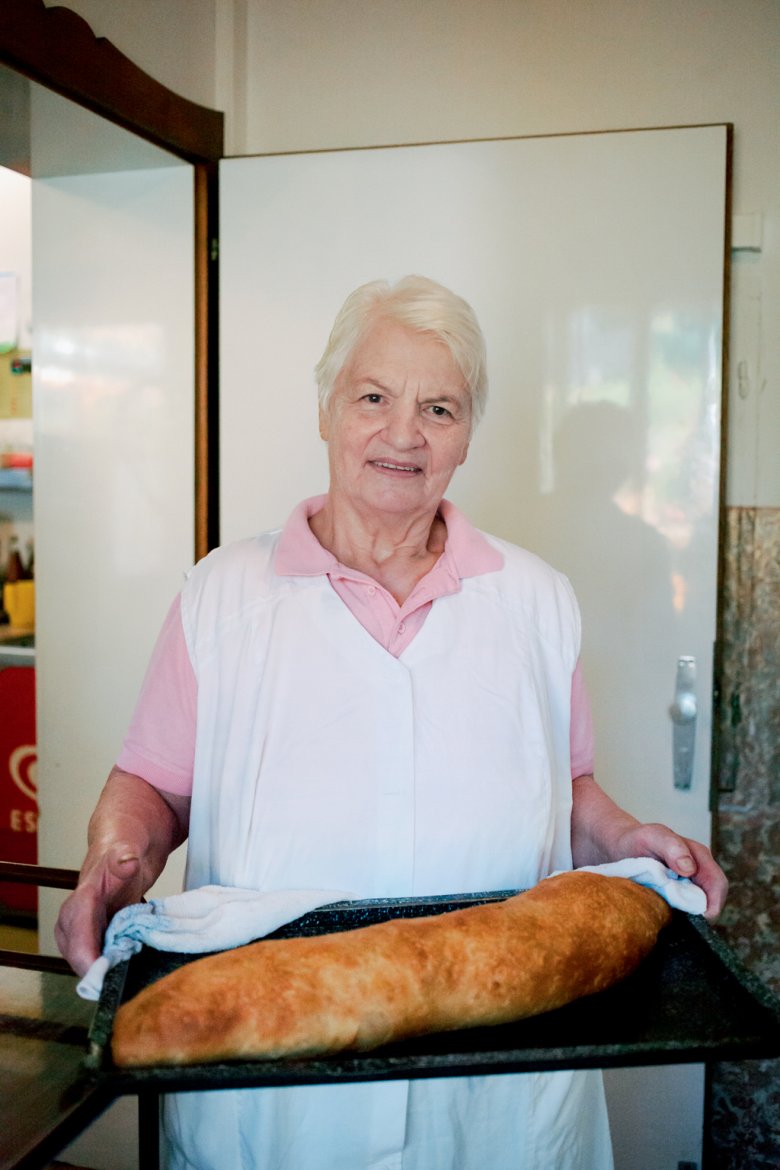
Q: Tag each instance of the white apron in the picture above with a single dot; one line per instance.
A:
(323, 761)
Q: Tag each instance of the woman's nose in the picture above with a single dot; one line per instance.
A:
(403, 428)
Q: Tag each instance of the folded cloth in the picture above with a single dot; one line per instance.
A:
(212, 918)
(680, 892)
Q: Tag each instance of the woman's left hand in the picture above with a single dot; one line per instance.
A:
(687, 858)
(601, 831)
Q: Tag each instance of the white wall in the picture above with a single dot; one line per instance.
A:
(173, 40)
(318, 74)
(334, 73)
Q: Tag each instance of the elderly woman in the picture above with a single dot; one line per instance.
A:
(381, 699)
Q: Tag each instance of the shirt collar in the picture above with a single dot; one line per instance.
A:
(467, 552)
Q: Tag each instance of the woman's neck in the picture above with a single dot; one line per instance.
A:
(395, 552)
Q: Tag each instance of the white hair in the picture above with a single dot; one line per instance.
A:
(421, 304)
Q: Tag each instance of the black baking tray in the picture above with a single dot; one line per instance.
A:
(690, 1001)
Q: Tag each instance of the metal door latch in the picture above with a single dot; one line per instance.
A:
(683, 713)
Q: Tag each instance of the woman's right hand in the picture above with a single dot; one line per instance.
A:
(131, 833)
(106, 884)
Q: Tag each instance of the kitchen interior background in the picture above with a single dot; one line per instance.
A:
(18, 797)
(325, 74)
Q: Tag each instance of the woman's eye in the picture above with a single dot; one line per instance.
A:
(440, 411)
(373, 398)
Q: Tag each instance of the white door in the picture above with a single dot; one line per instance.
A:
(595, 264)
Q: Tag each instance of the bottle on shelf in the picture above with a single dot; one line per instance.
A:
(4, 618)
(18, 589)
(14, 570)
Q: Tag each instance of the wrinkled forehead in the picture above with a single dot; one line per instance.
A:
(389, 349)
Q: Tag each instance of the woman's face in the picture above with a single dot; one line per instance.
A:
(398, 422)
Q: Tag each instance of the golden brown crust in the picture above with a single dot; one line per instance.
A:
(570, 936)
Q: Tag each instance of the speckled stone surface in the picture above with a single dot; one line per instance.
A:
(744, 1131)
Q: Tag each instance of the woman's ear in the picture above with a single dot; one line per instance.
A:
(324, 424)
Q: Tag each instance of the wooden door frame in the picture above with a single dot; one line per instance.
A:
(56, 48)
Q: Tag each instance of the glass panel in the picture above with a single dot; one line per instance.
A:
(101, 264)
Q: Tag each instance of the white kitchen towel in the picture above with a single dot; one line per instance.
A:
(212, 918)
(680, 892)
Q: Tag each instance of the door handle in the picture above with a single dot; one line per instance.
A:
(683, 712)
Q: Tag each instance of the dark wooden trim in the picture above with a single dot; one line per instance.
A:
(57, 48)
(206, 358)
(51, 878)
(718, 714)
(30, 962)
(38, 875)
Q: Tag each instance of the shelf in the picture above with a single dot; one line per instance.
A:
(15, 479)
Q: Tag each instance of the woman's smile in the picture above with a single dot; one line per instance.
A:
(395, 468)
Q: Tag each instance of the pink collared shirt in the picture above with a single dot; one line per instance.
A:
(160, 743)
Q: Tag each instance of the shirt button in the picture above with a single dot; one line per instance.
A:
(371, 590)
(401, 627)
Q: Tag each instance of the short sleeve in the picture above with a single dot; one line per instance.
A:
(581, 734)
(160, 742)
